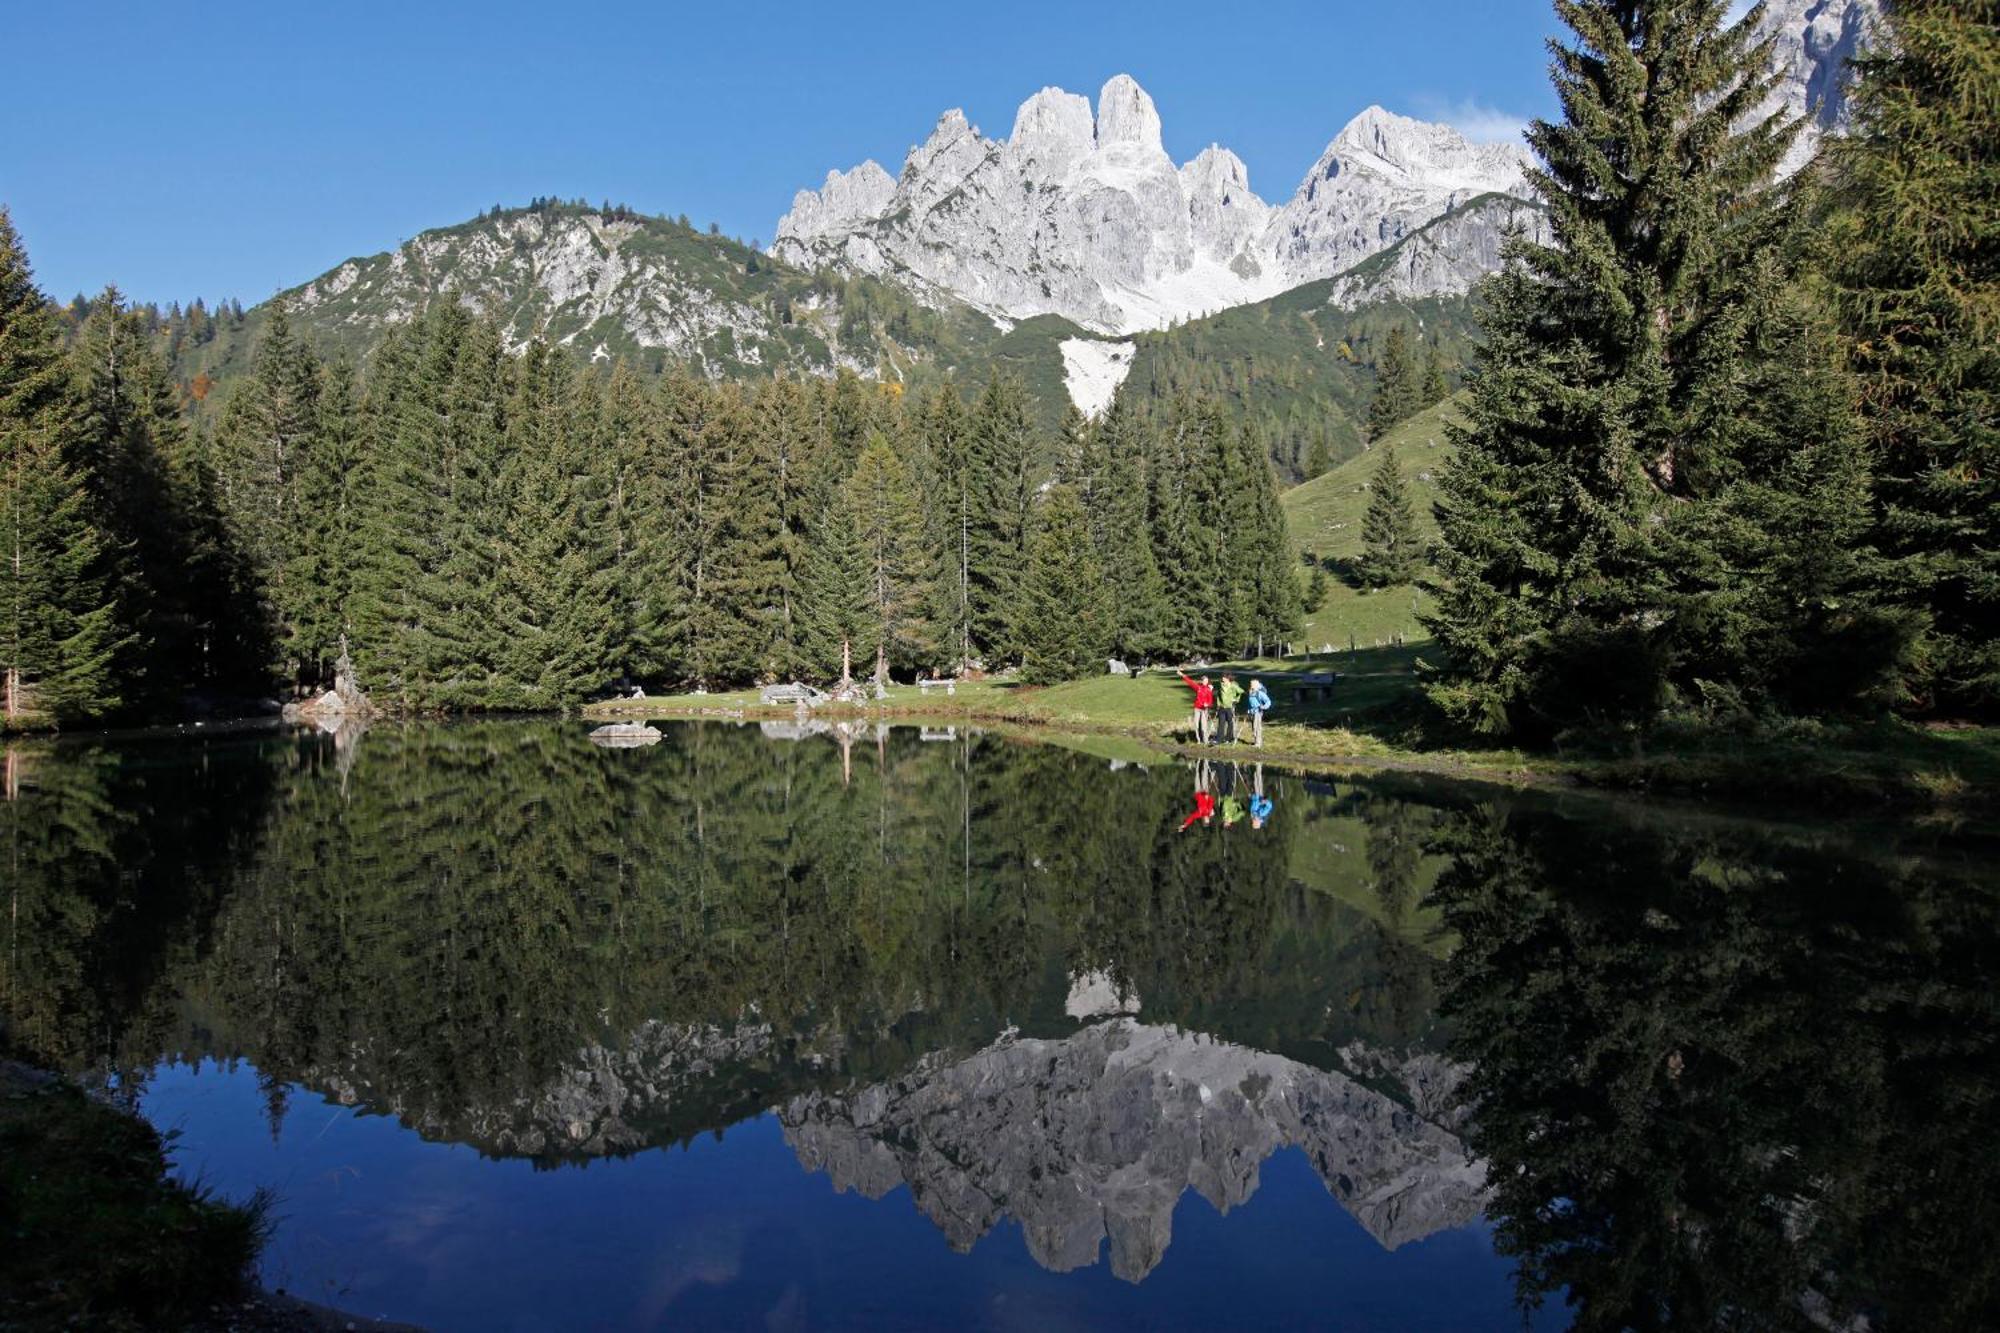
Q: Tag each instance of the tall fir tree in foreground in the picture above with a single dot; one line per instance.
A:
(1390, 548)
(1655, 422)
(1067, 622)
(1261, 552)
(59, 632)
(1914, 249)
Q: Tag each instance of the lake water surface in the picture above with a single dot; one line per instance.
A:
(921, 1028)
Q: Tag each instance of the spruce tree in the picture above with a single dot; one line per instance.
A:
(62, 634)
(228, 648)
(265, 433)
(1390, 549)
(1435, 390)
(1397, 386)
(459, 647)
(946, 450)
(736, 615)
(1003, 478)
(1122, 536)
(1912, 249)
(430, 514)
(799, 449)
(879, 509)
(322, 542)
(1317, 587)
(836, 614)
(1263, 592)
(642, 512)
(1066, 621)
(59, 632)
(1607, 521)
(553, 612)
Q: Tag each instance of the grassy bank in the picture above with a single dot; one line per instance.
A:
(1372, 718)
(97, 1234)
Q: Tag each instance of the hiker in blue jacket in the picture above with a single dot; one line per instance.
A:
(1260, 804)
(1259, 703)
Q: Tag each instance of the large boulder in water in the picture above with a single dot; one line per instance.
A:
(625, 735)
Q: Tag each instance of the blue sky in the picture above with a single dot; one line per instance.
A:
(232, 149)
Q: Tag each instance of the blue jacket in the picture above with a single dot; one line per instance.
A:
(1260, 700)
(1260, 807)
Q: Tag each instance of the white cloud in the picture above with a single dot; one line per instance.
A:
(1475, 120)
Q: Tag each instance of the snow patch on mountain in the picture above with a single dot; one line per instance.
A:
(1092, 371)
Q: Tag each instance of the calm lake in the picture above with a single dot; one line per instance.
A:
(921, 1028)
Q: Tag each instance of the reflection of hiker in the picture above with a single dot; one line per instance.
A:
(1204, 800)
(1204, 699)
(1260, 704)
(1232, 810)
(1260, 804)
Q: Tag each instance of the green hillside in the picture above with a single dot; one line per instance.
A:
(1323, 516)
(1299, 366)
(612, 284)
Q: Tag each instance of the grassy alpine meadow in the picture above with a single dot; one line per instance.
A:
(1324, 517)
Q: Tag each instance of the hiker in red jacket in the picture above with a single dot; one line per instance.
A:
(1204, 798)
(1204, 700)
(1204, 810)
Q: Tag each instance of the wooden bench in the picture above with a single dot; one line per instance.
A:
(1317, 685)
(948, 686)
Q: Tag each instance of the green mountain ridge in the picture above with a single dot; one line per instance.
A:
(610, 284)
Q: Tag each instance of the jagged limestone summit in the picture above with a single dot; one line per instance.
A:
(1083, 214)
(1036, 253)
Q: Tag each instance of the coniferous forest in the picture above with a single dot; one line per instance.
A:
(1729, 450)
(487, 529)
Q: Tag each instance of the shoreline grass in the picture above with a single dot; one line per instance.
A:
(1372, 720)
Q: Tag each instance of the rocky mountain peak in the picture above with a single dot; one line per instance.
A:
(1813, 41)
(1052, 131)
(1082, 214)
(1126, 115)
(1421, 154)
(847, 197)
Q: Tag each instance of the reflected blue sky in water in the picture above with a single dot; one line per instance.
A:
(379, 1221)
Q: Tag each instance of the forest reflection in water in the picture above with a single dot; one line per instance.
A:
(1690, 1070)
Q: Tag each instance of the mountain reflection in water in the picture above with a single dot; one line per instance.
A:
(1679, 1070)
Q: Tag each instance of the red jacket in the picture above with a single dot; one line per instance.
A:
(1204, 693)
(1204, 806)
